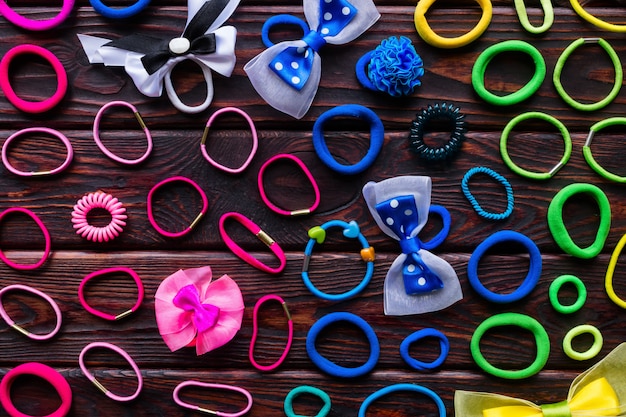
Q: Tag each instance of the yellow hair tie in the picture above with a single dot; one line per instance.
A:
(594, 20)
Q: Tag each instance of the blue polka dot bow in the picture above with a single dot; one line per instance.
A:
(417, 281)
(287, 74)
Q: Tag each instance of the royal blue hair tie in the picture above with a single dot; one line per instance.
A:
(119, 13)
(444, 345)
(510, 201)
(403, 387)
(534, 269)
(280, 20)
(377, 137)
(332, 368)
(446, 221)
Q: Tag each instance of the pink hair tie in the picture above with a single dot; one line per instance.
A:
(60, 168)
(216, 386)
(5, 83)
(46, 297)
(255, 140)
(96, 133)
(36, 25)
(106, 271)
(308, 174)
(255, 332)
(48, 374)
(99, 200)
(92, 378)
(205, 206)
(43, 229)
(263, 237)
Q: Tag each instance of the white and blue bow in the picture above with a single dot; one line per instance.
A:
(287, 74)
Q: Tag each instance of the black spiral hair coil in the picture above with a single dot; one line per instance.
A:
(421, 121)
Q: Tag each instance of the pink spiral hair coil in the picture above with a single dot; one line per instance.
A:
(103, 201)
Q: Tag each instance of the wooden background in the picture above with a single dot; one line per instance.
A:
(588, 76)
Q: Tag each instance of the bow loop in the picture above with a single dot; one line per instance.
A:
(204, 315)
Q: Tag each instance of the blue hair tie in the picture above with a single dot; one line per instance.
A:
(444, 345)
(119, 13)
(479, 210)
(403, 387)
(445, 228)
(281, 19)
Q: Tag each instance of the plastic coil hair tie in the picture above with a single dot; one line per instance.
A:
(593, 350)
(420, 124)
(103, 148)
(510, 201)
(107, 271)
(48, 374)
(441, 408)
(556, 286)
(45, 297)
(255, 333)
(405, 346)
(68, 146)
(92, 378)
(44, 231)
(610, 271)
(604, 173)
(594, 20)
(308, 390)
(233, 388)
(36, 25)
(119, 13)
(7, 88)
(548, 16)
(99, 200)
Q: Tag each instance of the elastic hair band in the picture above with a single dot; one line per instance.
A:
(56, 133)
(99, 200)
(422, 120)
(557, 225)
(510, 201)
(260, 234)
(96, 133)
(305, 170)
(560, 63)
(194, 223)
(307, 389)
(518, 320)
(36, 25)
(377, 137)
(402, 387)
(7, 88)
(610, 271)
(594, 20)
(332, 368)
(173, 96)
(548, 16)
(255, 333)
(555, 287)
(240, 390)
(119, 13)
(430, 37)
(92, 378)
(350, 230)
(483, 60)
(44, 231)
(281, 20)
(9, 321)
(205, 135)
(48, 374)
(593, 350)
(567, 141)
(405, 346)
(107, 271)
(593, 164)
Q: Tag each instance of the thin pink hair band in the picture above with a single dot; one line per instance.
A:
(255, 333)
(107, 271)
(46, 235)
(52, 132)
(36, 25)
(99, 200)
(46, 297)
(190, 383)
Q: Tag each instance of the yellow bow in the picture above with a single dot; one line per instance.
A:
(599, 391)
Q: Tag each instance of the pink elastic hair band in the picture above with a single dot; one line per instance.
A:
(36, 25)
(7, 88)
(205, 207)
(308, 174)
(46, 297)
(255, 332)
(102, 201)
(92, 378)
(205, 135)
(96, 133)
(48, 374)
(61, 136)
(184, 384)
(263, 237)
(43, 229)
(106, 271)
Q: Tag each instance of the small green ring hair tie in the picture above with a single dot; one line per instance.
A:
(555, 287)
(593, 164)
(557, 226)
(307, 389)
(590, 353)
(560, 63)
(567, 140)
(548, 16)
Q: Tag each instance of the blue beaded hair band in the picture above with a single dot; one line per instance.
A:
(332, 368)
(444, 345)
(510, 201)
(403, 387)
(119, 13)
(377, 137)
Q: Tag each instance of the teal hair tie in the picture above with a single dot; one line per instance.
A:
(307, 389)
(510, 201)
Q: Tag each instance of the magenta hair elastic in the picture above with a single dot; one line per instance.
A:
(96, 133)
(104, 201)
(205, 207)
(308, 174)
(56, 133)
(205, 135)
(35, 25)
(106, 271)
(215, 386)
(92, 378)
(46, 236)
(255, 332)
(7, 88)
(48, 374)
(263, 237)
(46, 297)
